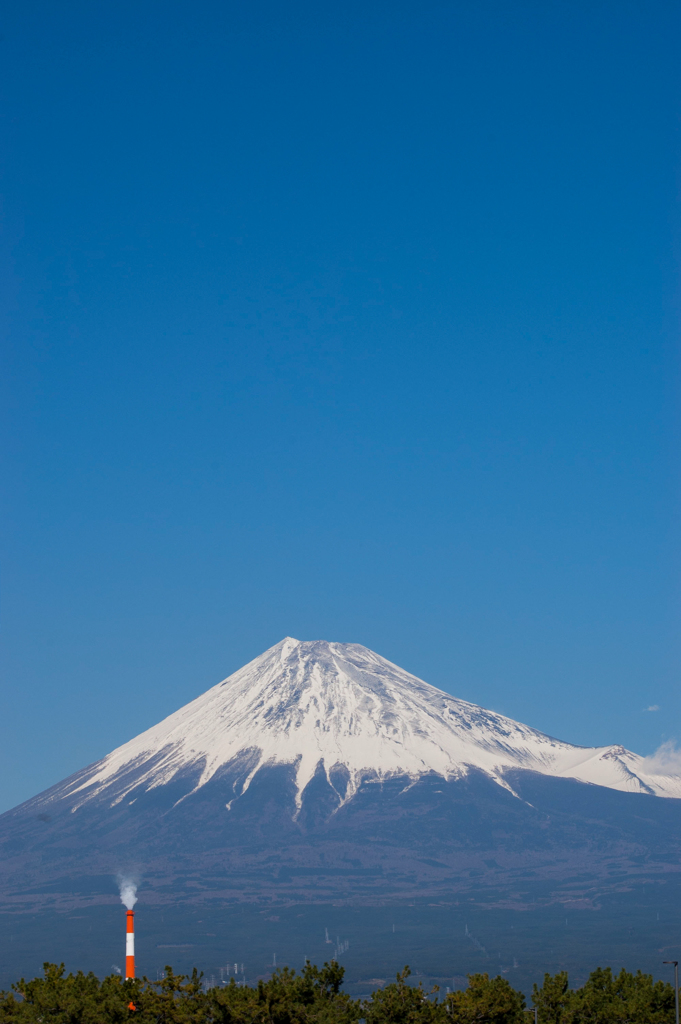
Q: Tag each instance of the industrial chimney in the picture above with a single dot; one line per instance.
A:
(130, 945)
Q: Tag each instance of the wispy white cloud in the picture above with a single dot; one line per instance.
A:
(665, 761)
(652, 707)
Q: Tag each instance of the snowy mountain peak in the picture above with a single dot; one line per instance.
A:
(318, 706)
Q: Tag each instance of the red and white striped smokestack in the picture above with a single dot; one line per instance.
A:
(130, 945)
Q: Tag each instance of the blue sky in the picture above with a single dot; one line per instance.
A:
(355, 322)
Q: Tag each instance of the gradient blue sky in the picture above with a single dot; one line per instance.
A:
(348, 321)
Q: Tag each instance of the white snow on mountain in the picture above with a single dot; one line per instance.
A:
(306, 703)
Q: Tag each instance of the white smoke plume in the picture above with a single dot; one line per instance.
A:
(127, 887)
(665, 761)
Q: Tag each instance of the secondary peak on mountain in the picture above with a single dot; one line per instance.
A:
(343, 710)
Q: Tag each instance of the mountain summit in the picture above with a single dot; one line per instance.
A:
(346, 712)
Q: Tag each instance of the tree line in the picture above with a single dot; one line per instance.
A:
(314, 996)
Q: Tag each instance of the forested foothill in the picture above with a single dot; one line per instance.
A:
(314, 996)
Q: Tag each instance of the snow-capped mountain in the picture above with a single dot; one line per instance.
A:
(345, 711)
(321, 774)
(321, 771)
